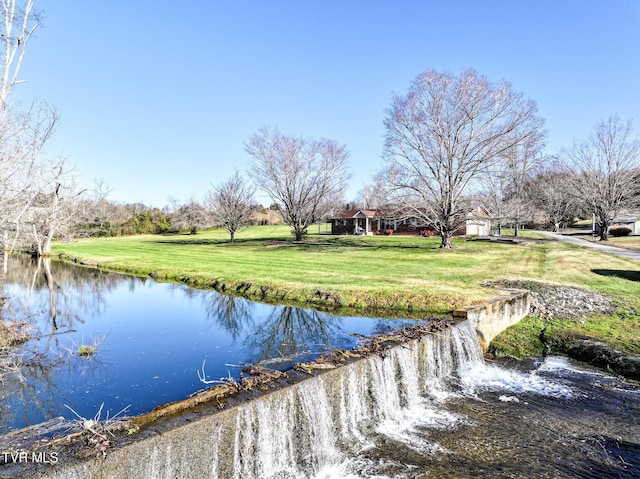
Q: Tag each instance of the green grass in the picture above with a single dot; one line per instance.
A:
(375, 275)
(628, 242)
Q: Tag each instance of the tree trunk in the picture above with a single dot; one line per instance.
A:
(232, 235)
(53, 304)
(446, 240)
(46, 246)
(36, 248)
(516, 229)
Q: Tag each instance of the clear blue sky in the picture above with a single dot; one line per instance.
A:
(157, 97)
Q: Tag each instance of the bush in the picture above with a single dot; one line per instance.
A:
(619, 231)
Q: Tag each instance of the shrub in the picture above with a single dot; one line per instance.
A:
(619, 231)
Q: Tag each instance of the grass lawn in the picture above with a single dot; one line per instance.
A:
(628, 242)
(376, 275)
(582, 230)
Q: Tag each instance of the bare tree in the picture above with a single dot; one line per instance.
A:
(549, 191)
(507, 182)
(22, 138)
(191, 215)
(53, 211)
(496, 184)
(94, 213)
(22, 133)
(444, 134)
(231, 203)
(372, 196)
(20, 22)
(305, 178)
(604, 170)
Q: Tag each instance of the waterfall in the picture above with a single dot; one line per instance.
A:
(316, 423)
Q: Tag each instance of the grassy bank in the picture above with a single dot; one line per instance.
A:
(377, 275)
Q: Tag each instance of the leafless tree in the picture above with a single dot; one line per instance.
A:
(305, 178)
(549, 192)
(230, 203)
(444, 134)
(53, 211)
(20, 22)
(23, 133)
(191, 215)
(372, 196)
(507, 180)
(22, 138)
(493, 196)
(94, 213)
(604, 169)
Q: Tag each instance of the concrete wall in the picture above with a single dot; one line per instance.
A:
(495, 315)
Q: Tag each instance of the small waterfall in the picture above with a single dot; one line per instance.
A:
(316, 423)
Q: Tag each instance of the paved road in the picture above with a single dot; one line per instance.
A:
(627, 253)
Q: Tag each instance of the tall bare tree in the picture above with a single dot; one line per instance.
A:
(444, 134)
(231, 203)
(305, 178)
(20, 22)
(22, 138)
(509, 177)
(604, 171)
(549, 192)
(22, 133)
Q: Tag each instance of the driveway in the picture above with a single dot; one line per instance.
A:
(635, 255)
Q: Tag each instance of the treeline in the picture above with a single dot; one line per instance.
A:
(103, 218)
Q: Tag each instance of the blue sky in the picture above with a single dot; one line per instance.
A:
(157, 97)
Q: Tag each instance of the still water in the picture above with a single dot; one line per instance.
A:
(151, 340)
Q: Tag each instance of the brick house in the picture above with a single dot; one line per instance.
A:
(373, 222)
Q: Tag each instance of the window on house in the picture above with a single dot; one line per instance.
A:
(388, 224)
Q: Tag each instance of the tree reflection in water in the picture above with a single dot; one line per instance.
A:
(289, 331)
(285, 332)
(72, 294)
(230, 313)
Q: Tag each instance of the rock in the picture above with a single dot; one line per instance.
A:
(603, 356)
(550, 300)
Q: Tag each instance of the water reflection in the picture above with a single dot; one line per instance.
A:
(290, 331)
(154, 338)
(230, 313)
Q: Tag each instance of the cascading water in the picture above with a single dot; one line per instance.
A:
(427, 408)
(322, 421)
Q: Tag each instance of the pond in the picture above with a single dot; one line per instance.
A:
(150, 340)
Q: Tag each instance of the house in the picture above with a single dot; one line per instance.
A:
(402, 221)
(628, 219)
(478, 222)
(357, 222)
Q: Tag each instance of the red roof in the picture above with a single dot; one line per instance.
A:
(353, 213)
